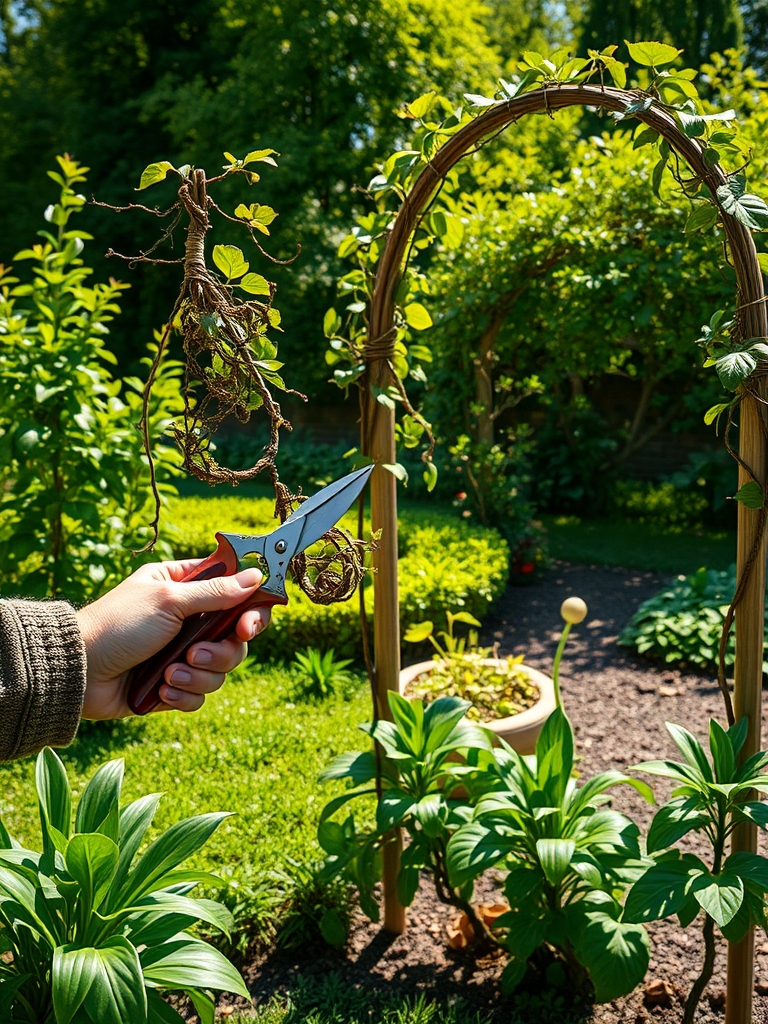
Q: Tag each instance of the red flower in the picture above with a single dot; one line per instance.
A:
(462, 495)
(527, 567)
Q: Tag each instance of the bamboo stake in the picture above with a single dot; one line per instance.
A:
(747, 675)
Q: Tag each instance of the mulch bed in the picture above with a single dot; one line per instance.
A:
(618, 704)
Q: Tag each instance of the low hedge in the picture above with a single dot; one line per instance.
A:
(444, 564)
(683, 622)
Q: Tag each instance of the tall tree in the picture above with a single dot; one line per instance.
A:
(699, 27)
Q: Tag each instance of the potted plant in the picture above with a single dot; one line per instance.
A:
(508, 697)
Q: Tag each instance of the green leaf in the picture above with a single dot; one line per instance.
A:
(734, 368)
(674, 820)
(746, 208)
(167, 851)
(262, 156)
(188, 963)
(441, 719)
(98, 808)
(417, 317)
(204, 1004)
(473, 849)
(555, 857)
(417, 633)
(117, 992)
(750, 867)
(258, 216)
(230, 261)
(430, 476)
(394, 806)
(762, 259)
(397, 471)
(703, 217)
(255, 284)
(331, 323)
(155, 173)
(715, 411)
(160, 1012)
(554, 757)
(135, 819)
(663, 890)
(616, 954)
(652, 55)
(53, 794)
(333, 929)
(92, 860)
(431, 813)
(73, 971)
(750, 495)
(719, 895)
(421, 106)
(691, 749)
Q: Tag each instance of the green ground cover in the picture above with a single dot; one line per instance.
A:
(636, 545)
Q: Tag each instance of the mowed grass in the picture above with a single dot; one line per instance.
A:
(254, 749)
(635, 545)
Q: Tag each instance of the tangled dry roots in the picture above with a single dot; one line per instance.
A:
(221, 336)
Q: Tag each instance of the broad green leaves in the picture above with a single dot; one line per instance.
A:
(95, 933)
(256, 216)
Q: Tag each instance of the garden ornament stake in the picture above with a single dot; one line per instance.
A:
(315, 518)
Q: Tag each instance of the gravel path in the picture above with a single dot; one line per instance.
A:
(618, 705)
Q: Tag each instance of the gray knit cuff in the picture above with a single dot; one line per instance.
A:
(42, 676)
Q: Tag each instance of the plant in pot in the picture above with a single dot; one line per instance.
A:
(510, 698)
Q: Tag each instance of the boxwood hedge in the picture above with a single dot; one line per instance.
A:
(444, 564)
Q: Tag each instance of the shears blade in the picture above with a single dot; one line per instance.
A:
(311, 520)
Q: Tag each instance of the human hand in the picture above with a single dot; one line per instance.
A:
(142, 614)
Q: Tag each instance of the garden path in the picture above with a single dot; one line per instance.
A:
(618, 704)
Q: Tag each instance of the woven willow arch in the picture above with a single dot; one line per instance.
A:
(378, 426)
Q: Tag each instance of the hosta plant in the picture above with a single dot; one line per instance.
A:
(468, 806)
(418, 774)
(712, 796)
(93, 932)
(569, 858)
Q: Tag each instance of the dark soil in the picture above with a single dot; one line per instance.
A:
(618, 704)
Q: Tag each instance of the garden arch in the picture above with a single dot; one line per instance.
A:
(377, 428)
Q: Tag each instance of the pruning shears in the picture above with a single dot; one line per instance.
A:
(313, 518)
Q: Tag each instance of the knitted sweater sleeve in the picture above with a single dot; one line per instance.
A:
(42, 676)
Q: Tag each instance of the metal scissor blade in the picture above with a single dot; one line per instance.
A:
(324, 509)
(308, 523)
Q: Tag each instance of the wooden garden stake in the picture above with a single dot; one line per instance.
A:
(377, 428)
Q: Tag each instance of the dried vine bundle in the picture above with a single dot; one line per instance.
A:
(230, 364)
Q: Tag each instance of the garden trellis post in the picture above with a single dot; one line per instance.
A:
(377, 427)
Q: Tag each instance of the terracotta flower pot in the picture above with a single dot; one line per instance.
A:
(519, 731)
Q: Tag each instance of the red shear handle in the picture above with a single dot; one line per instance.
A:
(144, 680)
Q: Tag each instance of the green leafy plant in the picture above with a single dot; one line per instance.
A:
(711, 797)
(462, 670)
(312, 906)
(94, 930)
(569, 859)
(324, 673)
(73, 476)
(684, 621)
(417, 776)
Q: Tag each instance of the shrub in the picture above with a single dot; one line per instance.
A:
(74, 491)
(94, 929)
(683, 622)
(663, 503)
(444, 564)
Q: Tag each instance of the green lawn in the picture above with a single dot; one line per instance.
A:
(636, 545)
(255, 748)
